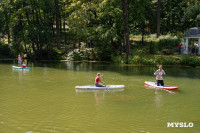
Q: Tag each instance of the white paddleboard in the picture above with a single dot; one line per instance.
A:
(16, 67)
(104, 87)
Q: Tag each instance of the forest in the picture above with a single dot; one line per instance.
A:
(102, 30)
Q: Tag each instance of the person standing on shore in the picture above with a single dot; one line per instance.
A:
(179, 48)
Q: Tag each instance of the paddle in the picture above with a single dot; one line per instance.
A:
(103, 80)
(157, 74)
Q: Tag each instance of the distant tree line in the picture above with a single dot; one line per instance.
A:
(45, 28)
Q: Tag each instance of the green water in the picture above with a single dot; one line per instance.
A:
(44, 99)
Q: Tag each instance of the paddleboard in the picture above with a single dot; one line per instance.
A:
(154, 85)
(16, 67)
(104, 87)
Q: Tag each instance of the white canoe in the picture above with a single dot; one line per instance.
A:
(16, 67)
(104, 87)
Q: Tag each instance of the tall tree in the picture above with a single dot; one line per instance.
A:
(126, 30)
(158, 18)
(57, 23)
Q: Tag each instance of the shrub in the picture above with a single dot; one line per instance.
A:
(104, 53)
(118, 59)
(190, 60)
(75, 56)
(166, 51)
(169, 61)
(85, 54)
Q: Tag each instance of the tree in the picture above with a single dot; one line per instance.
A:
(126, 30)
(57, 23)
(158, 18)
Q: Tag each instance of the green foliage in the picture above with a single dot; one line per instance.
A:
(141, 60)
(190, 60)
(104, 52)
(6, 50)
(75, 56)
(159, 60)
(166, 51)
(85, 54)
(31, 26)
(54, 54)
(118, 59)
(192, 15)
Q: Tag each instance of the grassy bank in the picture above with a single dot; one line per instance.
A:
(187, 60)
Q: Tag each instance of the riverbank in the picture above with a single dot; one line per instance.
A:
(185, 60)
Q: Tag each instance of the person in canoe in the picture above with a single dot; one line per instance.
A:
(98, 80)
(159, 76)
(19, 60)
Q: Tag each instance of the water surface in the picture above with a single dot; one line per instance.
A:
(44, 99)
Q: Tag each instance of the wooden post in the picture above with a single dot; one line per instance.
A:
(186, 46)
(199, 45)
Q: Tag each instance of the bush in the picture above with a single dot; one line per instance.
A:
(166, 51)
(75, 56)
(55, 54)
(85, 54)
(138, 60)
(104, 53)
(190, 60)
(169, 61)
(119, 59)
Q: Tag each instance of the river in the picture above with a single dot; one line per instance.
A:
(44, 99)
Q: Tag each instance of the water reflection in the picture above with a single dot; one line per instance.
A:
(127, 70)
(99, 97)
(169, 91)
(21, 73)
(159, 95)
(158, 98)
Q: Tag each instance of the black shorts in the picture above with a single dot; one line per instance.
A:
(160, 82)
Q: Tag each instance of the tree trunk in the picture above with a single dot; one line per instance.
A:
(64, 28)
(126, 30)
(158, 18)
(57, 24)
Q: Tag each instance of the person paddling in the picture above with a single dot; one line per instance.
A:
(98, 80)
(159, 76)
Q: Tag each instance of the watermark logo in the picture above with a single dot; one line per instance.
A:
(180, 124)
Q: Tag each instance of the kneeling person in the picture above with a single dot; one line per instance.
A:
(98, 80)
(24, 65)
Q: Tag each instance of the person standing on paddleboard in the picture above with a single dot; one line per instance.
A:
(98, 80)
(159, 76)
(19, 60)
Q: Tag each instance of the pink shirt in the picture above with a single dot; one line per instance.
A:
(19, 58)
